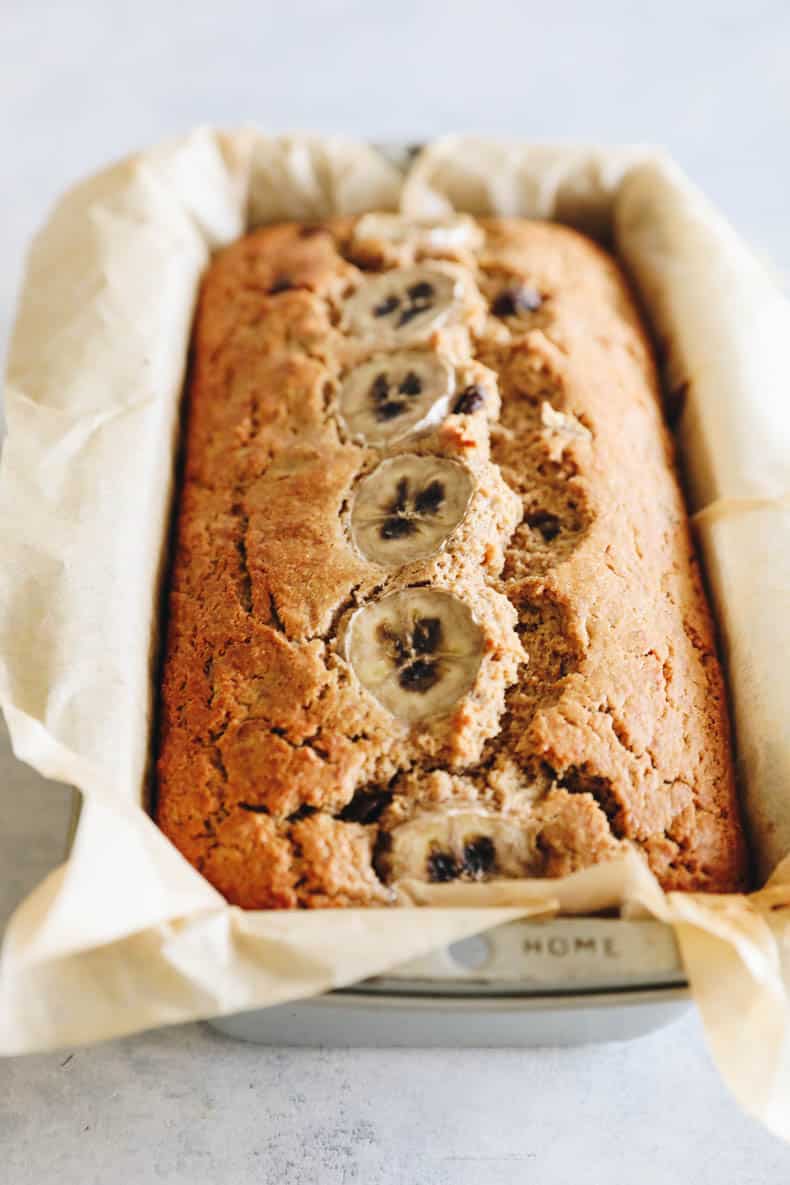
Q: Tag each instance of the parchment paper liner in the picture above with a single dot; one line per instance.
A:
(126, 934)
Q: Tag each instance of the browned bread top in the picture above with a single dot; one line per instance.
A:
(434, 607)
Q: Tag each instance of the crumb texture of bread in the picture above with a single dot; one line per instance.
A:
(434, 609)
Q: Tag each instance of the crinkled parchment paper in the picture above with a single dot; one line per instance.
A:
(127, 934)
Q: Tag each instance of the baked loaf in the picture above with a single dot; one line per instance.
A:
(434, 609)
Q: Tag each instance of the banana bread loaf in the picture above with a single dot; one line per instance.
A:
(434, 610)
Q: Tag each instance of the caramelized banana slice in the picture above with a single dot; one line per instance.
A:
(404, 305)
(393, 395)
(459, 844)
(417, 651)
(453, 232)
(409, 507)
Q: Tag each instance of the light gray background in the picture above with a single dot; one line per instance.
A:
(87, 82)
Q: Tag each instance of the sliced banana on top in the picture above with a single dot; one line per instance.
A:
(408, 507)
(461, 843)
(417, 651)
(393, 395)
(451, 232)
(403, 305)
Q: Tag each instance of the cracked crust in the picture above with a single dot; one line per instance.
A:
(599, 715)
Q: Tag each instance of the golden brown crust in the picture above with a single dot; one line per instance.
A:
(615, 727)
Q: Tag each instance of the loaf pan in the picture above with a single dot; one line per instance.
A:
(567, 981)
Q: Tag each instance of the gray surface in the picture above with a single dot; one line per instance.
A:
(80, 84)
(184, 1106)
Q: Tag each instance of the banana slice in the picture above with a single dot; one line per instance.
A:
(403, 305)
(408, 507)
(393, 395)
(417, 651)
(459, 844)
(452, 232)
